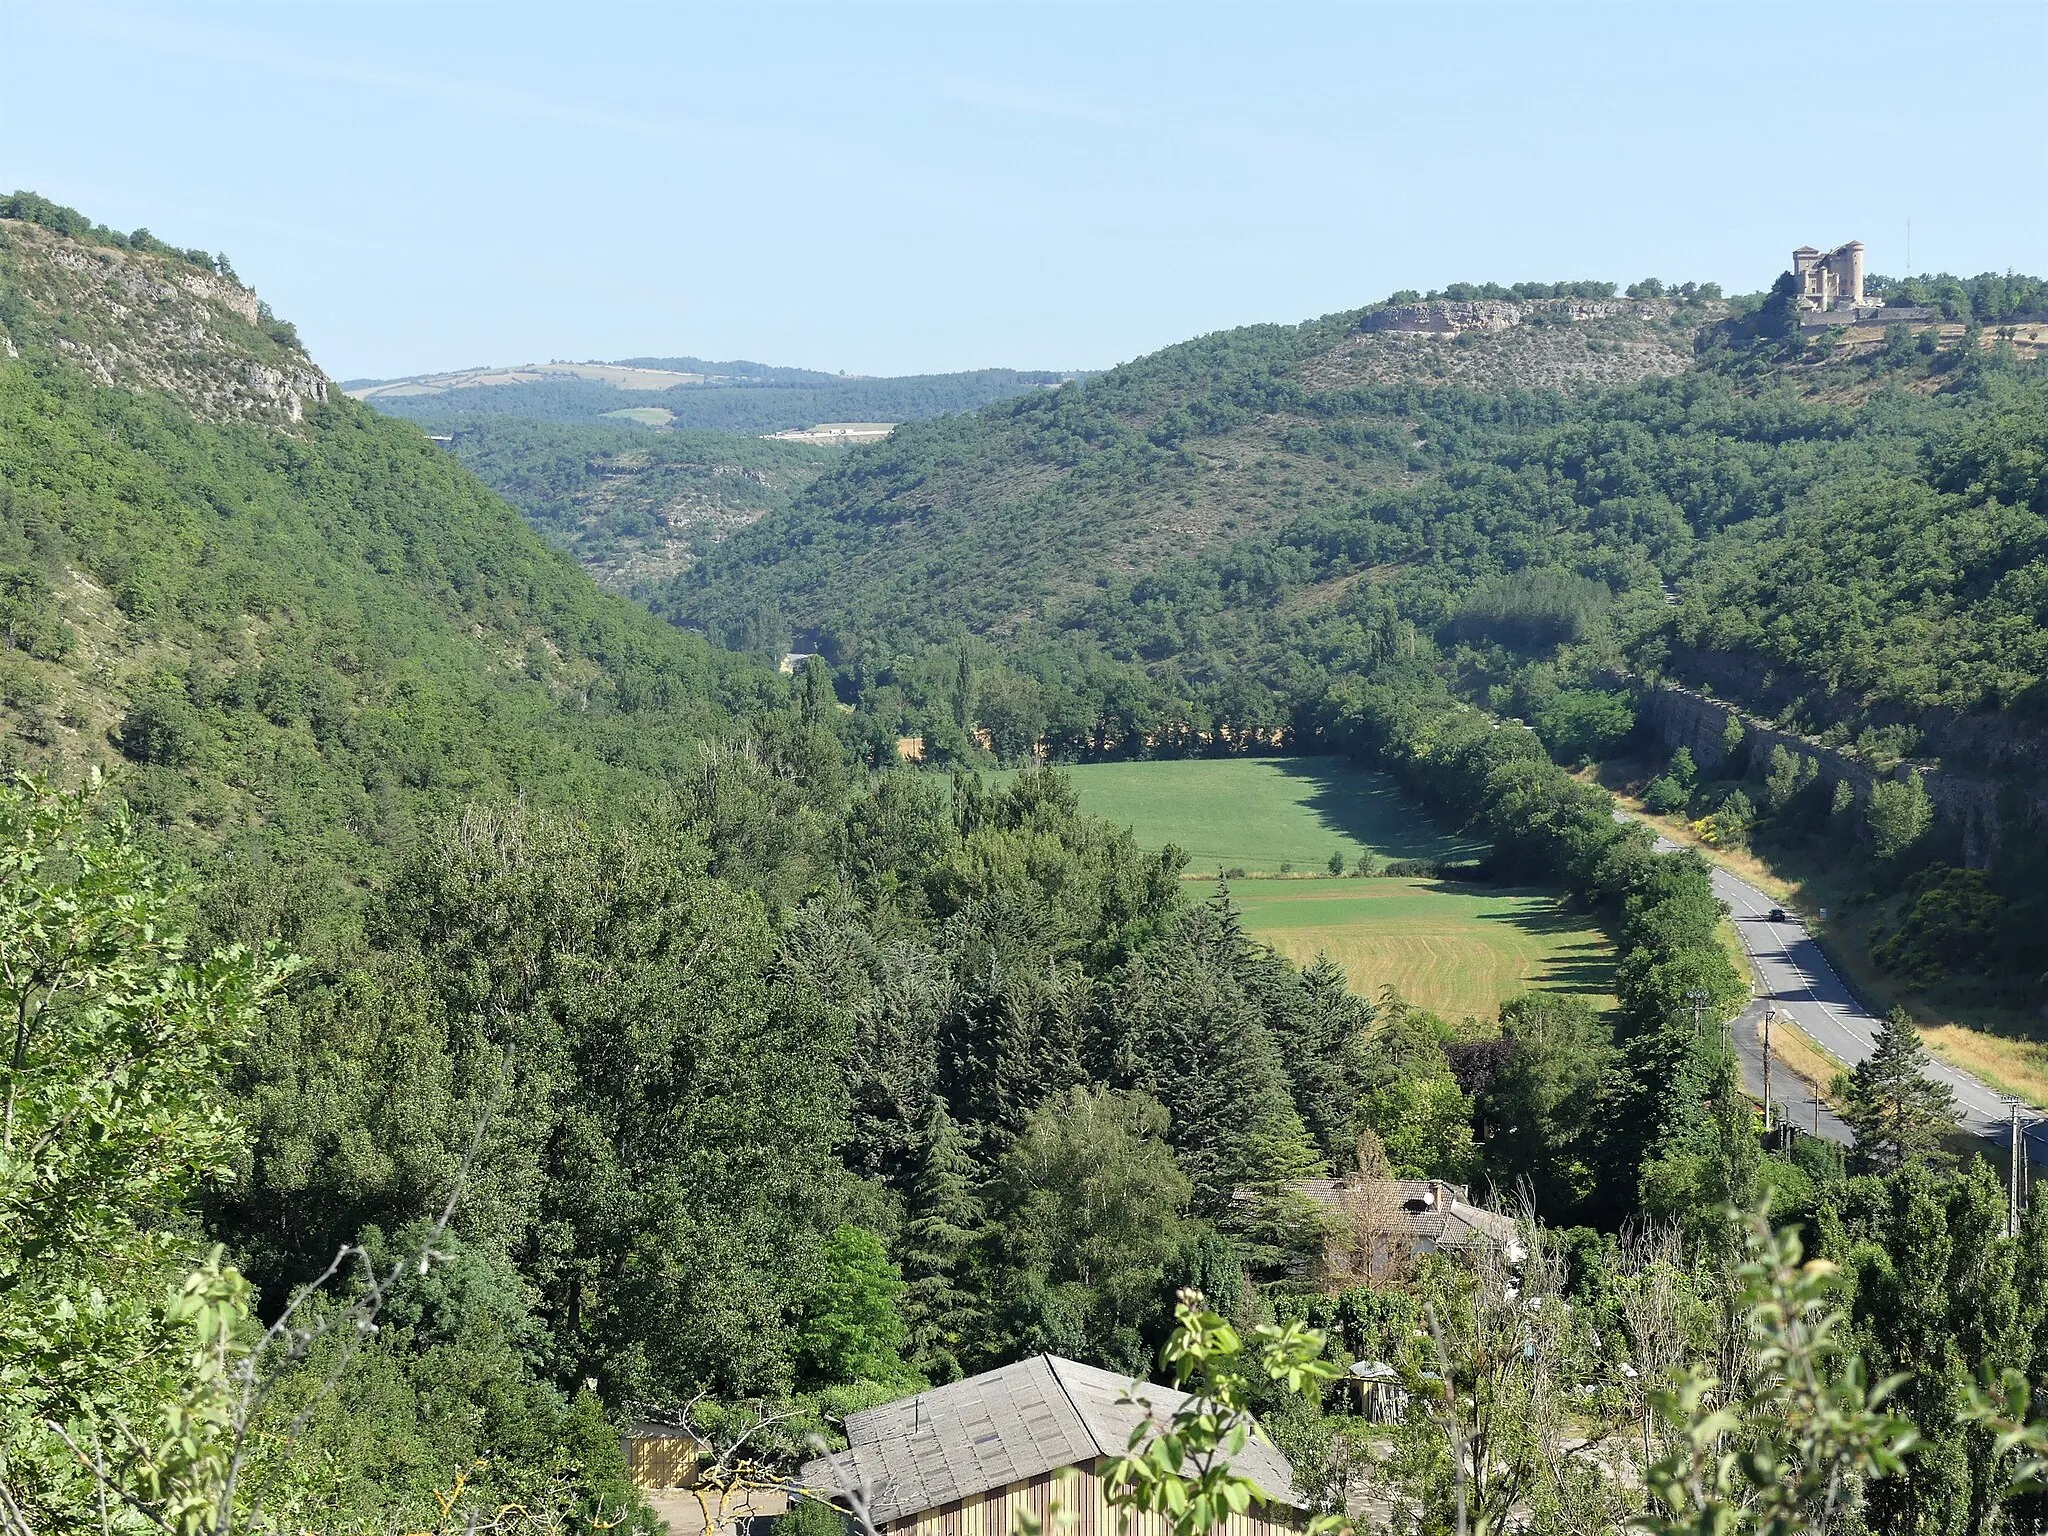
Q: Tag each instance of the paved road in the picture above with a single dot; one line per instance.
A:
(1793, 974)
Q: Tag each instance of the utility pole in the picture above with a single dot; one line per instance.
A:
(1816, 1115)
(1699, 997)
(1770, 1014)
(2012, 1195)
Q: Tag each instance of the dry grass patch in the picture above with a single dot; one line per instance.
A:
(1794, 1050)
(1458, 950)
(2016, 1067)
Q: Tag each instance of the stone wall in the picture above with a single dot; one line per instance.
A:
(1680, 717)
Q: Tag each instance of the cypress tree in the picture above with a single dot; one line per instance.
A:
(1196, 1042)
(1321, 1034)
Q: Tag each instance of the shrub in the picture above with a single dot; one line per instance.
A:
(28, 616)
(1665, 796)
(1584, 723)
(1951, 923)
(161, 728)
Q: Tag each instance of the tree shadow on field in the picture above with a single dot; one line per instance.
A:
(1369, 808)
(1583, 965)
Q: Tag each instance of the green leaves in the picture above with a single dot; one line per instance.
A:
(1180, 1468)
(115, 1045)
(1784, 1449)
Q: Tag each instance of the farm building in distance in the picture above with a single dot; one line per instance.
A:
(967, 1458)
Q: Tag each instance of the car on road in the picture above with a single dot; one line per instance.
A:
(1777, 914)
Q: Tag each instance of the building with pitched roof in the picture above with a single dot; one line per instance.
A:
(1374, 1229)
(966, 1458)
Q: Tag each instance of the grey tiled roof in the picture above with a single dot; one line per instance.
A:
(1002, 1427)
(1429, 1210)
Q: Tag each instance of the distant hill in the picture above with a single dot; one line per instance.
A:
(291, 625)
(1838, 527)
(691, 394)
(635, 508)
(986, 522)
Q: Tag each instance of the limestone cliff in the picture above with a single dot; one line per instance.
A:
(148, 321)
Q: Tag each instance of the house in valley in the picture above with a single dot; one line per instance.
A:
(1374, 1229)
(967, 1458)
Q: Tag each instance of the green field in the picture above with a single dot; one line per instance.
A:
(1258, 813)
(1457, 949)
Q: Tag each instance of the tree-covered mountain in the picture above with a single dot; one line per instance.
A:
(1254, 478)
(294, 626)
(1839, 529)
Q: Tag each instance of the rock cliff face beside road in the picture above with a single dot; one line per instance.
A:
(145, 321)
(1680, 717)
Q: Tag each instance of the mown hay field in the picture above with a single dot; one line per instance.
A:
(1453, 947)
(1456, 949)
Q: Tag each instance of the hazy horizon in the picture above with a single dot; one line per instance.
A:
(935, 188)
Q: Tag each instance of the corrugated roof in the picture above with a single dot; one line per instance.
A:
(1002, 1427)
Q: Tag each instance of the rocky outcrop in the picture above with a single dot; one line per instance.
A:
(1449, 317)
(154, 322)
(1973, 808)
(1505, 344)
(1445, 318)
(1997, 743)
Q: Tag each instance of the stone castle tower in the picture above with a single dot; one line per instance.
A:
(1830, 281)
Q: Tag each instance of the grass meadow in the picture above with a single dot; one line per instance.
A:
(1455, 948)
(1259, 813)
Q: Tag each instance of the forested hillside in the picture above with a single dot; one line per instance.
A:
(295, 627)
(981, 523)
(633, 507)
(1838, 530)
(473, 1016)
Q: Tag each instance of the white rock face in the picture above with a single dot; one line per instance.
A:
(149, 322)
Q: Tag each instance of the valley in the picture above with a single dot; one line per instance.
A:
(1271, 827)
(747, 904)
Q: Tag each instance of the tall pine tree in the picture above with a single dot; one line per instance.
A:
(1897, 1112)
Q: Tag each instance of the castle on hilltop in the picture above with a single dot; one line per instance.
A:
(1831, 281)
(1828, 290)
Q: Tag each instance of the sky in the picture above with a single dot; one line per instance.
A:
(909, 188)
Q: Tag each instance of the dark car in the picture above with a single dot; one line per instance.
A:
(1777, 914)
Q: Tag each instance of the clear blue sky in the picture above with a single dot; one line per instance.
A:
(889, 189)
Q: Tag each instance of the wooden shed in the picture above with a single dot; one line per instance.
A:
(662, 1455)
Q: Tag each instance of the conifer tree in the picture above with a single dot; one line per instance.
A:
(1940, 1302)
(1897, 1112)
(1196, 1040)
(946, 1221)
(1321, 1033)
